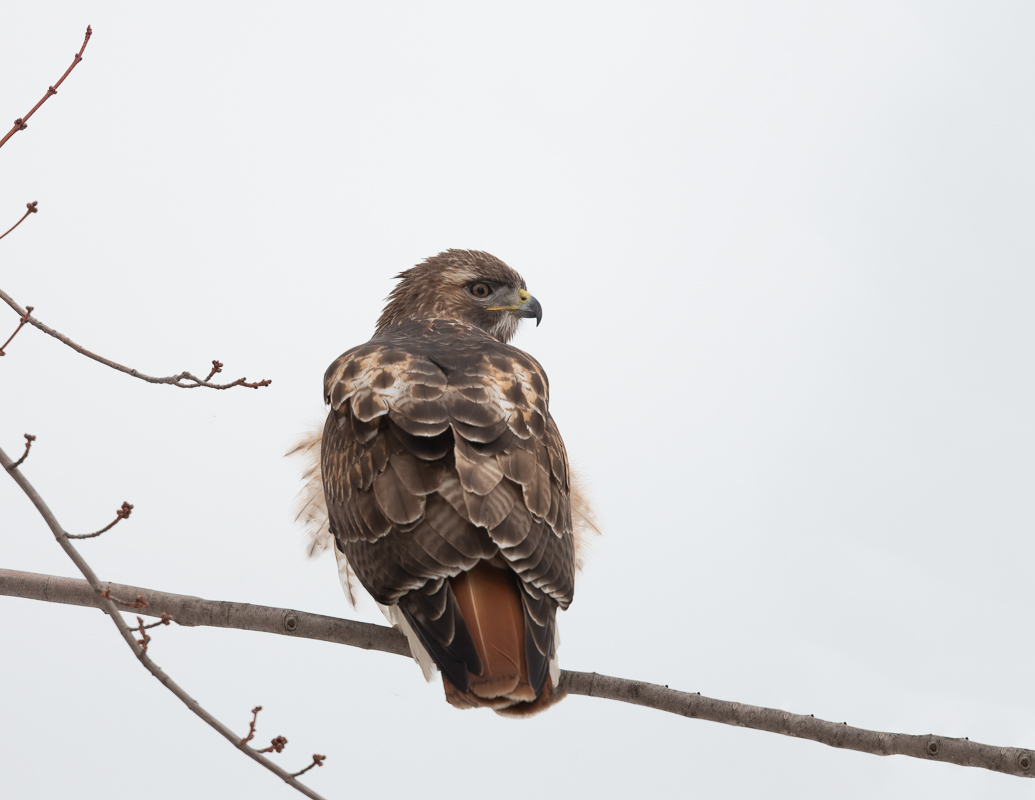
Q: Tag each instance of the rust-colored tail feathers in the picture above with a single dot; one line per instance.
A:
(491, 605)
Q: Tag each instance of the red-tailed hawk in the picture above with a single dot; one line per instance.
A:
(444, 483)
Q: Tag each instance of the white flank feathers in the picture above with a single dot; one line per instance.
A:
(417, 650)
(311, 512)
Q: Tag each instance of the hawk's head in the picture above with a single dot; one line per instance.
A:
(465, 285)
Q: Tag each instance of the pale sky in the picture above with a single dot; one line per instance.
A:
(785, 256)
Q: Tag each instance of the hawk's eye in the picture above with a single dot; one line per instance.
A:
(480, 290)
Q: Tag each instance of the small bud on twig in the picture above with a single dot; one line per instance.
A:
(140, 602)
(278, 744)
(217, 366)
(29, 439)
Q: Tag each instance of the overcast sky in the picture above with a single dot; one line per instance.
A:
(785, 256)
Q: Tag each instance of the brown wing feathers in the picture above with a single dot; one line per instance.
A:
(437, 620)
(447, 488)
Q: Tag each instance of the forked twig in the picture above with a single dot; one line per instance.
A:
(165, 620)
(277, 743)
(21, 123)
(184, 380)
(105, 603)
(26, 317)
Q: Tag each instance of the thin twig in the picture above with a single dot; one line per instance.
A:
(144, 637)
(26, 317)
(165, 620)
(21, 123)
(140, 602)
(29, 439)
(184, 380)
(108, 607)
(277, 744)
(191, 611)
(32, 210)
(317, 762)
(217, 367)
(251, 725)
(121, 514)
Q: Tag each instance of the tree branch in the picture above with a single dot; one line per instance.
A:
(21, 123)
(193, 611)
(184, 380)
(98, 599)
(196, 612)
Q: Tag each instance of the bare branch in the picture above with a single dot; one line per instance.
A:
(930, 747)
(26, 317)
(121, 514)
(195, 611)
(105, 604)
(192, 611)
(184, 380)
(32, 210)
(29, 439)
(21, 123)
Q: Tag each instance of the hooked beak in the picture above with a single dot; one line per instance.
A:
(530, 308)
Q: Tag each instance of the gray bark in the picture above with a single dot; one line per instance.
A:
(287, 622)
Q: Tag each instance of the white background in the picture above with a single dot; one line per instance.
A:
(785, 256)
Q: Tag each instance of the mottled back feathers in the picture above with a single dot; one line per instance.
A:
(446, 483)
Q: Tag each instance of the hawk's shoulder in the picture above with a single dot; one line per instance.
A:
(414, 364)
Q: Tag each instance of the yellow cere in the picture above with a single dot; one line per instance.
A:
(521, 294)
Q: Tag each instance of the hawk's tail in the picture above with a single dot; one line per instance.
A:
(516, 645)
